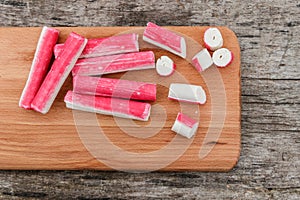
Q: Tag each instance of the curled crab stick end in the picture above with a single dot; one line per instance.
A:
(213, 39)
(222, 57)
(165, 66)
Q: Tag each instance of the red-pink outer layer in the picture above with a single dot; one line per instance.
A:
(184, 119)
(118, 44)
(114, 63)
(58, 71)
(196, 63)
(114, 88)
(39, 66)
(163, 36)
(131, 108)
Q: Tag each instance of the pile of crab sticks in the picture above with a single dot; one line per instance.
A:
(87, 59)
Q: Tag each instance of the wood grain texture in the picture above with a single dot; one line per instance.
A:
(269, 165)
(63, 139)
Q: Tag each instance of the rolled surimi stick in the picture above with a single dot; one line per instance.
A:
(108, 106)
(114, 88)
(185, 126)
(115, 63)
(165, 39)
(187, 93)
(118, 44)
(39, 66)
(165, 66)
(213, 39)
(58, 73)
(202, 60)
(222, 57)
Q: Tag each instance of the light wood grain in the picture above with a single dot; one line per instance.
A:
(30, 140)
(268, 32)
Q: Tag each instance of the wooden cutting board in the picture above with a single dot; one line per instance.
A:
(66, 139)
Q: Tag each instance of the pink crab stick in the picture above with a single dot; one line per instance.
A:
(40, 65)
(114, 88)
(115, 63)
(202, 60)
(108, 106)
(58, 73)
(118, 44)
(185, 126)
(165, 39)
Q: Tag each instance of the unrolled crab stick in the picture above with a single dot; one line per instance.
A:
(185, 126)
(40, 65)
(108, 106)
(187, 93)
(202, 60)
(118, 44)
(165, 39)
(114, 88)
(58, 73)
(115, 63)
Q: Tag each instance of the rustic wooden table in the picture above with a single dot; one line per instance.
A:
(269, 166)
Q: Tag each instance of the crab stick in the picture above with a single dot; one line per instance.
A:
(114, 88)
(185, 126)
(58, 73)
(222, 57)
(202, 60)
(118, 44)
(165, 39)
(213, 39)
(108, 106)
(115, 63)
(39, 66)
(187, 93)
(165, 66)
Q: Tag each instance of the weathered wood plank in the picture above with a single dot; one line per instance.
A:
(268, 32)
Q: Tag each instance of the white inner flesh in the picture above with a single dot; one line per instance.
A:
(184, 130)
(204, 59)
(213, 38)
(222, 57)
(164, 66)
(188, 93)
(105, 112)
(182, 44)
(62, 79)
(33, 69)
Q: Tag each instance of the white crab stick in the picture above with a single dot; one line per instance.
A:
(222, 57)
(114, 88)
(187, 93)
(39, 66)
(165, 66)
(185, 126)
(115, 63)
(213, 39)
(108, 106)
(58, 73)
(118, 44)
(165, 39)
(202, 60)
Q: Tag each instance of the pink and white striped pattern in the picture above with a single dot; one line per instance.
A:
(58, 73)
(39, 66)
(117, 44)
